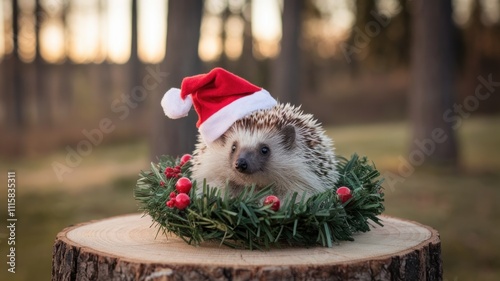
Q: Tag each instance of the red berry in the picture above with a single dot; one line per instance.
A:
(183, 185)
(168, 172)
(162, 183)
(185, 158)
(172, 195)
(170, 203)
(273, 201)
(182, 200)
(344, 193)
(171, 173)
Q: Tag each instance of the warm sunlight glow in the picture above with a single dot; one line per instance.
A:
(266, 26)
(340, 15)
(119, 36)
(152, 26)
(491, 11)
(265, 20)
(84, 31)
(334, 26)
(388, 7)
(26, 37)
(7, 22)
(100, 30)
(234, 37)
(210, 46)
(461, 11)
(52, 45)
(52, 7)
(2, 37)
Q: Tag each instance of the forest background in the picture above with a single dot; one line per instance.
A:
(413, 85)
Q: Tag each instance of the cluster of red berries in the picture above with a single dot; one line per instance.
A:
(175, 172)
(182, 186)
(180, 200)
(172, 173)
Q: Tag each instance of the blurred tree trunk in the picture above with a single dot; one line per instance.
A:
(402, 22)
(474, 40)
(247, 65)
(18, 118)
(65, 71)
(133, 47)
(286, 68)
(106, 84)
(175, 137)
(224, 61)
(432, 91)
(42, 97)
(134, 63)
(358, 44)
(134, 68)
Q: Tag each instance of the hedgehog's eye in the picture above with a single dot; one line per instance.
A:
(264, 150)
(233, 148)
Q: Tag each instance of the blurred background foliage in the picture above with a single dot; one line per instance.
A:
(81, 81)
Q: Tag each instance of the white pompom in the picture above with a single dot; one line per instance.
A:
(174, 106)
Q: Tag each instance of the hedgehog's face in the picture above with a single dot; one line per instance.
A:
(249, 159)
(253, 153)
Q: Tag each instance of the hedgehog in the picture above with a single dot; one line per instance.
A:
(280, 146)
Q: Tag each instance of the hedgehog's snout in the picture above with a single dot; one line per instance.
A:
(251, 160)
(241, 165)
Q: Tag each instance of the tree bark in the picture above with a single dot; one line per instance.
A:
(128, 248)
(432, 91)
(175, 137)
(286, 74)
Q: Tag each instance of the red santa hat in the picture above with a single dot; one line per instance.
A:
(219, 97)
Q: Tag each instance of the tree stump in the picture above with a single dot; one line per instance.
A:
(131, 248)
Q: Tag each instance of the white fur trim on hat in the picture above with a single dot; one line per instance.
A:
(174, 106)
(217, 124)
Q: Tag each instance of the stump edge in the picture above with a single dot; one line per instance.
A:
(71, 261)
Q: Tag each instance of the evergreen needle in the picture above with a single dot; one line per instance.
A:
(242, 221)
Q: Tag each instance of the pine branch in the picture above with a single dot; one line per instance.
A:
(243, 222)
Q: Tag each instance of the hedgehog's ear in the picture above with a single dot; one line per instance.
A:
(288, 136)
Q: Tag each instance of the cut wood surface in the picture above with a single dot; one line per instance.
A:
(130, 248)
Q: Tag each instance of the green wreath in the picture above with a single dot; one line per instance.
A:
(254, 219)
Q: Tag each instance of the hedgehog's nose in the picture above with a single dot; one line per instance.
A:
(241, 165)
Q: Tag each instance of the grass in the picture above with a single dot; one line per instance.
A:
(463, 206)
